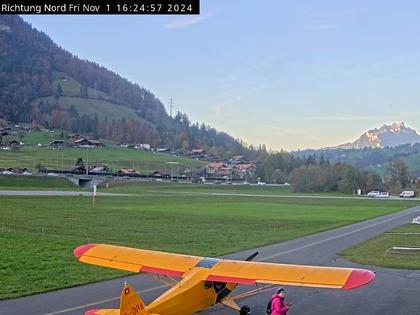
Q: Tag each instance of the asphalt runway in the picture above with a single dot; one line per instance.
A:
(392, 292)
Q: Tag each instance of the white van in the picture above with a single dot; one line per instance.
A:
(382, 194)
(373, 193)
(407, 194)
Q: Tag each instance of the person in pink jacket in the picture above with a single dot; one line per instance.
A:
(278, 306)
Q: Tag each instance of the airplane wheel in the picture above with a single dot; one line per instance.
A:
(245, 310)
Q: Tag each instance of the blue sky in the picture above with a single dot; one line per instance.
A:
(289, 74)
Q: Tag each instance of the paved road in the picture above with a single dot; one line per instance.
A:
(157, 192)
(392, 292)
(54, 193)
(364, 197)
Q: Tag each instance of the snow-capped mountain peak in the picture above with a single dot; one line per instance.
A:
(385, 136)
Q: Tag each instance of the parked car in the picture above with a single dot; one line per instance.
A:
(6, 172)
(373, 193)
(26, 173)
(407, 194)
(382, 194)
(52, 174)
(261, 183)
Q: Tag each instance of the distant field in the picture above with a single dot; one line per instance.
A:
(90, 107)
(71, 87)
(96, 102)
(112, 155)
(45, 137)
(42, 137)
(133, 186)
(38, 234)
(35, 183)
(374, 251)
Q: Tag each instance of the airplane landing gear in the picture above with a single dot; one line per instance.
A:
(245, 310)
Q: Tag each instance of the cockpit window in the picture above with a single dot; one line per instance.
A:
(207, 262)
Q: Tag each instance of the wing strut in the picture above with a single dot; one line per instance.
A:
(258, 290)
(252, 256)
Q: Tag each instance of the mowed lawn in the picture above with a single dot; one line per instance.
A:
(38, 234)
(20, 182)
(376, 250)
(134, 187)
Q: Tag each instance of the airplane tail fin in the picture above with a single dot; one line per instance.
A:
(130, 302)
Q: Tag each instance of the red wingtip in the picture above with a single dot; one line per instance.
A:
(358, 278)
(91, 312)
(80, 250)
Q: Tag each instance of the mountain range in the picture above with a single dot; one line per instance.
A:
(386, 136)
(374, 149)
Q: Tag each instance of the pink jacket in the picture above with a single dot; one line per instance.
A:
(278, 307)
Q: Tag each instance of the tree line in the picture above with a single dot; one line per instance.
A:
(364, 158)
(309, 174)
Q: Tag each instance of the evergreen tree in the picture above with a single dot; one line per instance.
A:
(79, 162)
(83, 91)
(58, 91)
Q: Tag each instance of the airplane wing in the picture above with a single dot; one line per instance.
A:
(222, 270)
(103, 312)
(135, 260)
(108, 312)
(249, 273)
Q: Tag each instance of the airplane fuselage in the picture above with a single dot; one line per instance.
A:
(190, 295)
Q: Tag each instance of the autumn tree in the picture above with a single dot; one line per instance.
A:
(308, 178)
(397, 175)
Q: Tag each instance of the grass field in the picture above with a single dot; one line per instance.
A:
(90, 107)
(112, 155)
(96, 102)
(132, 186)
(36, 183)
(71, 87)
(38, 235)
(374, 251)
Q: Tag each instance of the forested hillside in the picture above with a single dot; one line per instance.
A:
(369, 158)
(43, 83)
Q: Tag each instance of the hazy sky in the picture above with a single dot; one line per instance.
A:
(287, 73)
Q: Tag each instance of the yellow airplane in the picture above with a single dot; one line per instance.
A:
(207, 281)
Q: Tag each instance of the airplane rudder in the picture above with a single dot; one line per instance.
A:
(131, 302)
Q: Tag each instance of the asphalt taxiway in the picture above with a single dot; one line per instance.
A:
(392, 292)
